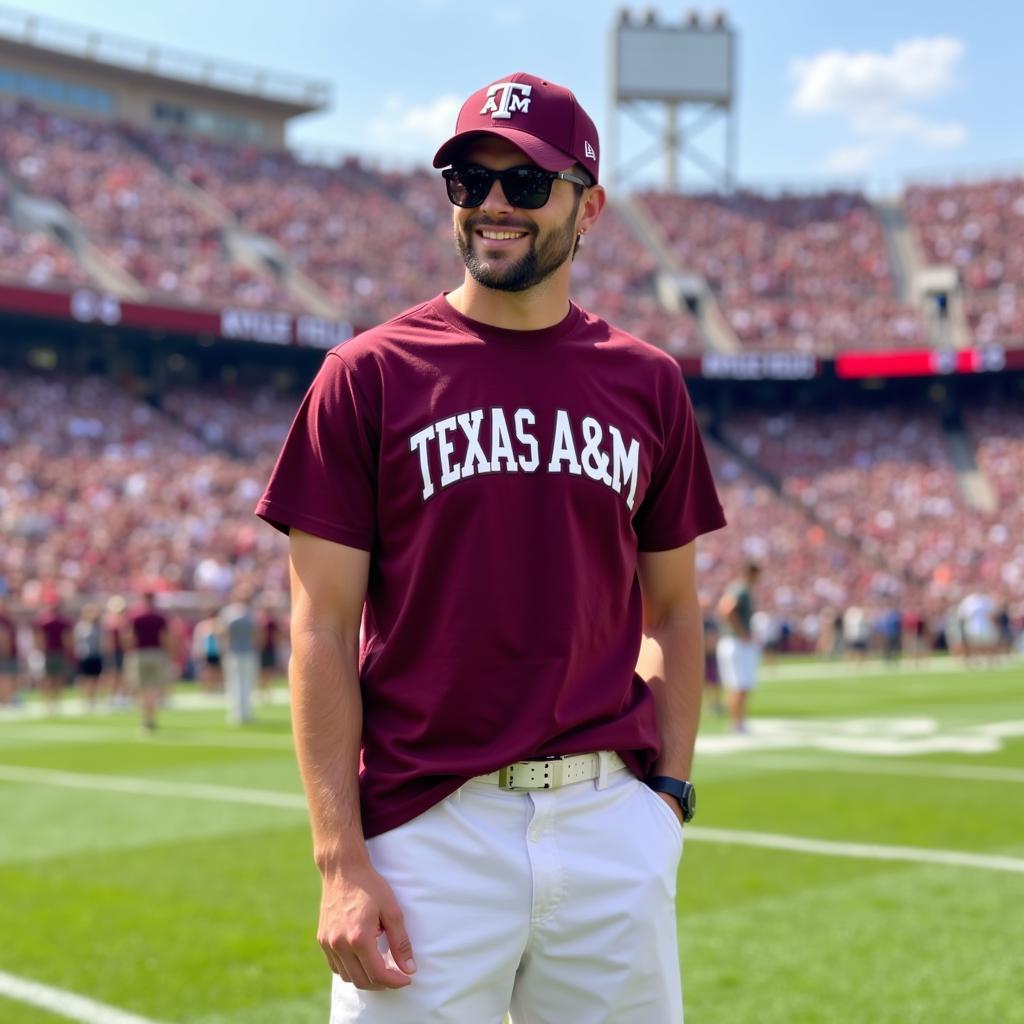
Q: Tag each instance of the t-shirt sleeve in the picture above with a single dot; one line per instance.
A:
(325, 479)
(681, 502)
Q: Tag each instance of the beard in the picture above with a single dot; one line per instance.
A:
(539, 262)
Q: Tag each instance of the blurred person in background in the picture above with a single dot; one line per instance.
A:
(53, 638)
(738, 651)
(830, 636)
(270, 645)
(206, 644)
(240, 644)
(8, 655)
(114, 626)
(147, 657)
(88, 642)
(914, 634)
(856, 631)
(890, 624)
(976, 615)
(712, 679)
(1004, 629)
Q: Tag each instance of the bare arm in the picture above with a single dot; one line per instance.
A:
(328, 584)
(672, 654)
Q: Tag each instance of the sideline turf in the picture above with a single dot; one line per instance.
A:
(196, 912)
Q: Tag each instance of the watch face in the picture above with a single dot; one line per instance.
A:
(689, 801)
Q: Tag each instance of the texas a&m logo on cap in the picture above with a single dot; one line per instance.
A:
(503, 101)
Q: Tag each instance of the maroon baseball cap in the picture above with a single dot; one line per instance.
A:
(542, 119)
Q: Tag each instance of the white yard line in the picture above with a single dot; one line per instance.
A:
(790, 671)
(868, 766)
(858, 851)
(734, 837)
(64, 1003)
(152, 787)
(36, 732)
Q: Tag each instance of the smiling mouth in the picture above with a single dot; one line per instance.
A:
(493, 235)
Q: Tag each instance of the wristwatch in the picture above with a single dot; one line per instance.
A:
(683, 791)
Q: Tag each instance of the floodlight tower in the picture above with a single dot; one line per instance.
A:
(685, 68)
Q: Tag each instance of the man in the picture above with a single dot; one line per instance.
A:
(738, 651)
(53, 638)
(504, 491)
(147, 657)
(240, 643)
(88, 641)
(976, 613)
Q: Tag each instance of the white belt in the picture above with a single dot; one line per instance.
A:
(550, 773)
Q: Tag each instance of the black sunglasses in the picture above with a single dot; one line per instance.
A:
(527, 187)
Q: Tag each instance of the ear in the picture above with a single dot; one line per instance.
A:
(590, 208)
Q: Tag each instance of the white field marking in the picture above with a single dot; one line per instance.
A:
(856, 851)
(879, 736)
(269, 798)
(152, 787)
(64, 1003)
(76, 707)
(789, 671)
(926, 770)
(45, 732)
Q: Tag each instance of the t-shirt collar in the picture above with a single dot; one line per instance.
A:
(487, 332)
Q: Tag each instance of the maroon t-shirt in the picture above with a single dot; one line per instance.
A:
(55, 629)
(504, 482)
(147, 629)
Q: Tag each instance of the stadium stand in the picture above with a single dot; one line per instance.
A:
(172, 247)
(978, 229)
(102, 493)
(32, 257)
(883, 481)
(804, 272)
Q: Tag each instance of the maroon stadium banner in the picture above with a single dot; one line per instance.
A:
(86, 305)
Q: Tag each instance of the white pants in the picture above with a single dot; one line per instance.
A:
(558, 905)
(240, 674)
(737, 663)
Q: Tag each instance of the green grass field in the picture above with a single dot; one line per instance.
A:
(169, 876)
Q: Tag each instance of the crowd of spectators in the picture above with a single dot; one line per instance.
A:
(978, 228)
(883, 481)
(809, 273)
(806, 569)
(131, 210)
(33, 257)
(371, 254)
(102, 493)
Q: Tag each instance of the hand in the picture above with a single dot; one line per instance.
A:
(674, 804)
(356, 909)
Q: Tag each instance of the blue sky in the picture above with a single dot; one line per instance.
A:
(870, 93)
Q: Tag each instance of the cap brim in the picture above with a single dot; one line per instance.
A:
(551, 158)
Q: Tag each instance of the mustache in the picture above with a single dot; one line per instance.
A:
(499, 225)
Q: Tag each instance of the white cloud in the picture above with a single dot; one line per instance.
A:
(838, 82)
(412, 126)
(851, 159)
(875, 92)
